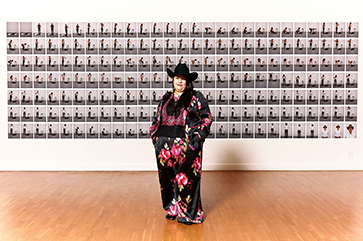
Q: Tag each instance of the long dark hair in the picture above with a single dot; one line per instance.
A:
(175, 108)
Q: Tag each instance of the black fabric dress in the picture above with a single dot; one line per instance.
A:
(178, 151)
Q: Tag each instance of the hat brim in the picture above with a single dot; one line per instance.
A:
(191, 76)
(170, 73)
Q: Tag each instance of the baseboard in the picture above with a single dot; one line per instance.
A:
(205, 167)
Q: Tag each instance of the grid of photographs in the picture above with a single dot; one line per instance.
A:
(87, 80)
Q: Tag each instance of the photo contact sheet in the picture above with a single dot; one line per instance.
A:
(104, 80)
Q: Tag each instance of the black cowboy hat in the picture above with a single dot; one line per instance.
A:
(182, 69)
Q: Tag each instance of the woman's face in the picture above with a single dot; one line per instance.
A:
(180, 83)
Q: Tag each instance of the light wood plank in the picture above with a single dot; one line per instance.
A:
(239, 205)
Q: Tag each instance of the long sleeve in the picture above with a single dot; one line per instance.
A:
(155, 118)
(154, 124)
(206, 117)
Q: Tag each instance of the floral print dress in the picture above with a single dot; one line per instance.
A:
(179, 159)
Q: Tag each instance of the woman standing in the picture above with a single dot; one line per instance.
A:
(178, 131)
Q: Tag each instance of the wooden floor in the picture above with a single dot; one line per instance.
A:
(239, 205)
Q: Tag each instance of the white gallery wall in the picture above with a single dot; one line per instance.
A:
(138, 154)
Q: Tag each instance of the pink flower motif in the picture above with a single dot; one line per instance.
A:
(199, 106)
(176, 150)
(206, 121)
(170, 163)
(172, 210)
(165, 154)
(197, 163)
(182, 179)
(178, 208)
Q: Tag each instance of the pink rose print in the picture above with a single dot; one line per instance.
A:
(170, 163)
(182, 179)
(175, 210)
(199, 106)
(197, 163)
(165, 154)
(206, 121)
(178, 208)
(172, 210)
(176, 150)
